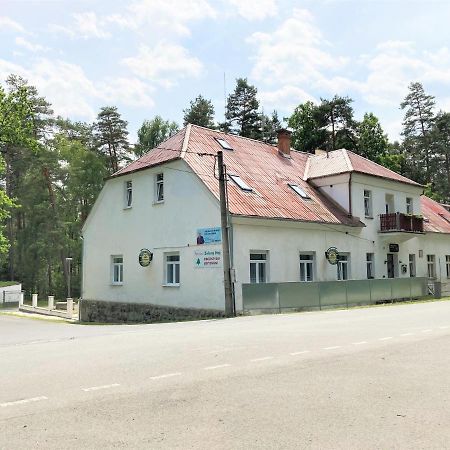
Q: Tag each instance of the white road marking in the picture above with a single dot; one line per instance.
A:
(332, 348)
(300, 353)
(407, 334)
(264, 358)
(220, 366)
(97, 388)
(360, 343)
(443, 328)
(385, 338)
(20, 402)
(166, 375)
(426, 331)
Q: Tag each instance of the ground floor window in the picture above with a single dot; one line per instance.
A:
(258, 267)
(343, 267)
(431, 265)
(370, 269)
(412, 265)
(117, 269)
(172, 276)
(306, 266)
(447, 265)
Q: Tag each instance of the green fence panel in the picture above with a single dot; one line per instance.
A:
(299, 295)
(260, 296)
(381, 289)
(358, 292)
(333, 293)
(401, 288)
(418, 287)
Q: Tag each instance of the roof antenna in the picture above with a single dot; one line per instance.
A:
(224, 97)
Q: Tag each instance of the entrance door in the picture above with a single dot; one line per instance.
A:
(390, 265)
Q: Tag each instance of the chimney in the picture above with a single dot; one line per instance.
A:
(284, 142)
(320, 152)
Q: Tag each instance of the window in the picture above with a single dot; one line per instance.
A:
(343, 267)
(431, 265)
(447, 265)
(117, 269)
(172, 269)
(224, 144)
(409, 205)
(412, 265)
(128, 194)
(306, 266)
(258, 267)
(241, 183)
(299, 191)
(159, 188)
(370, 267)
(367, 203)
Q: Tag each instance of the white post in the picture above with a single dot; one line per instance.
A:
(21, 299)
(34, 300)
(51, 302)
(69, 308)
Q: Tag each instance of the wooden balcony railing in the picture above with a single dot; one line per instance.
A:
(401, 222)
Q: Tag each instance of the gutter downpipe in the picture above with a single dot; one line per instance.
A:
(350, 209)
(231, 244)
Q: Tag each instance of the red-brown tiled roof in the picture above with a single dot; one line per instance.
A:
(436, 217)
(345, 161)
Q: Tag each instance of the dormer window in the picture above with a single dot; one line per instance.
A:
(299, 191)
(224, 144)
(241, 183)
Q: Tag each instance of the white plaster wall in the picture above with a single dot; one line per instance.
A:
(335, 187)
(169, 226)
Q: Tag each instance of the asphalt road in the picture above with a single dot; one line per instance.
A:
(374, 378)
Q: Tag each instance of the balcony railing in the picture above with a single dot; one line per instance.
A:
(401, 222)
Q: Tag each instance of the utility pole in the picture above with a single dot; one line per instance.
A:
(229, 306)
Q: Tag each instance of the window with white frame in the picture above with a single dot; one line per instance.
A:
(367, 203)
(117, 269)
(128, 193)
(409, 205)
(431, 266)
(412, 265)
(447, 265)
(159, 188)
(241, 183)
(343, 267)
(300, 191)
(258, 267)
(307, 266)
(370, 265)
(172, 271)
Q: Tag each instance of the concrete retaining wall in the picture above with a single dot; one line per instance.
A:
(115, 312)
(10, 295)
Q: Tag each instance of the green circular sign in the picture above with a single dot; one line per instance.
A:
(332, 255)
(145, 257)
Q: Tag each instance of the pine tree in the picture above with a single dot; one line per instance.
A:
(269, 128)
(112, 136)
(440, 145)
(372, 141)
(152, 133)
(200, 112)
(242, 115)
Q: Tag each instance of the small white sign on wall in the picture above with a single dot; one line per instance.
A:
(208, 259)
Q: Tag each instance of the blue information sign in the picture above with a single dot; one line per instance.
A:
(209, 236)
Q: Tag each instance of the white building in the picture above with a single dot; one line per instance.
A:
(286, 209)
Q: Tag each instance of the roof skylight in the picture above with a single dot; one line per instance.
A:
(241, 183)
(299, 191)
(224, 144)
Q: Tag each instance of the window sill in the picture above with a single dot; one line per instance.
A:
(127, 207)
(158, 203)
(368, 217)
(171, 285)
(116, 284)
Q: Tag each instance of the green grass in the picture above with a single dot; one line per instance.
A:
(8, 283)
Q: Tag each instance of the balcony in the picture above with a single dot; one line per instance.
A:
(399, 222)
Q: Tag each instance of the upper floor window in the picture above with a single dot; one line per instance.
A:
(159, 188)
(367, 203)
(370, 265)
(258, 267)
(343, 267)
(299, 191)
(409, 205)
(431, 266)
(306, 266)
(172, 275)
(241, 183)
(117, 269)
(128, 194)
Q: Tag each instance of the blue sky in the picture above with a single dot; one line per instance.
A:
(151, 57)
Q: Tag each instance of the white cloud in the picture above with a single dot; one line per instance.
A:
(35, 48)
(86, 25)
(6, 23)
(166, 17)
(164, 63)
(255, 9)
(129, 91)
(285, 98)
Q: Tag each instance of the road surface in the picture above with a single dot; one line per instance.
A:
(362, 378)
